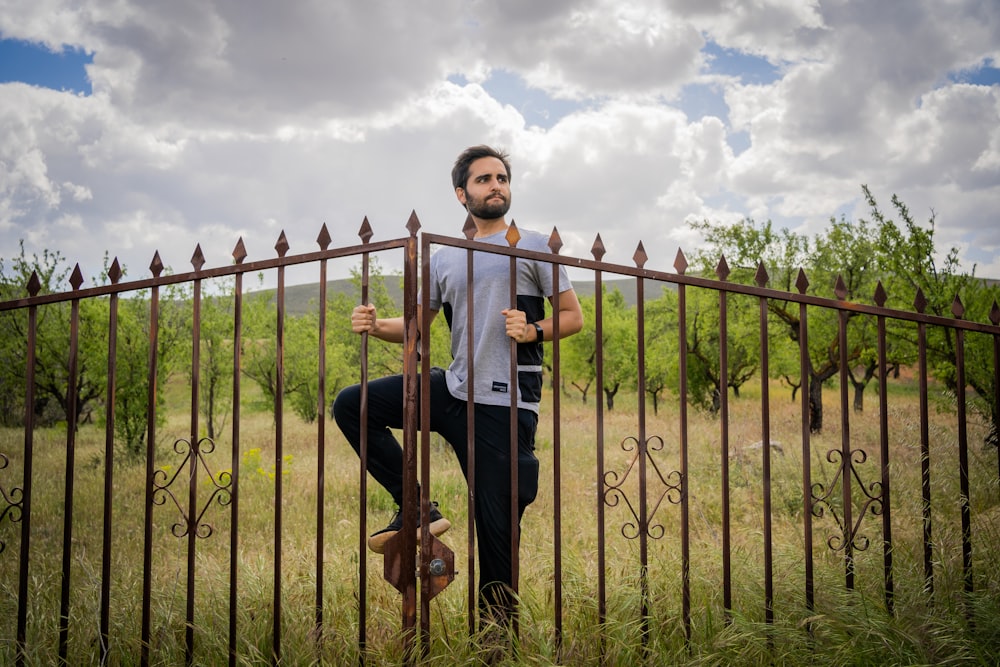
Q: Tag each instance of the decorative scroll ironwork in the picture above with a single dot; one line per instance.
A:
(13, 501)
(873, 501)
(221, 491)
(613, 493)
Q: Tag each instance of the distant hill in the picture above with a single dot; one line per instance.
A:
(301, 299)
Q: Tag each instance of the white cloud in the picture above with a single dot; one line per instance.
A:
(217, 119)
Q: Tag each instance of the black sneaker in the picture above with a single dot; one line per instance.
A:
(439, 524)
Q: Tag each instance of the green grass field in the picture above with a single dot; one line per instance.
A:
(844, 628)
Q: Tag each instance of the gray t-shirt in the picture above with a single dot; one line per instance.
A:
(491, 272)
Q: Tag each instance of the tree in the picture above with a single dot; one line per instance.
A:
(383, 358)
(912, 266)
(577, 353)
(618, 345)
(302, 358)
(747, 245)
(215, 396)
(14, 276)
(52, 341)
(705, 380)
(260, 361)
(301, 346)
(52, 372)
(661, 345)
(852, 250)
(132, 363)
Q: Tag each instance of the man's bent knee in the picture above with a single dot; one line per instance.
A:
(346, 407)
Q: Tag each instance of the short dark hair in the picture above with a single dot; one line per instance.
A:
(460, 172)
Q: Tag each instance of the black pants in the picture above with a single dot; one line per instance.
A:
(492, 456)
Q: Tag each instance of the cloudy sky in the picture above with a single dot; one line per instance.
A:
(129, 127)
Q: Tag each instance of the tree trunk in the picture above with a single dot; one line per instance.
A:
(210, 410)
(583, 391)
(610, 394)
(815, 405)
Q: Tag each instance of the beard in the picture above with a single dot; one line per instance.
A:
(484, 209)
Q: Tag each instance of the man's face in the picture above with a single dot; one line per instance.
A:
(487, 191)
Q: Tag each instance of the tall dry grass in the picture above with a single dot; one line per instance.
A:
(844, 627)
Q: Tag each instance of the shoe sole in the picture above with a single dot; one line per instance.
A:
(377, 541)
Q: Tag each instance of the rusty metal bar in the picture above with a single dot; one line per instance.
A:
(682, 421)
(365, 232)
(407, 575)
(579, 263)
(424, 338)
(512, 238)
(963, 453)
(807, 506)
(234, 532)
(883, 374)
(279, 446)
(602, 602)
(436, 562)
(554, 244)
(765, 427)
(643, 452)
(239, 254)
(324, 242)
(470, 429)
(680, 265)
(29, 435)
(156, 266)
(204, 274)
(925, 451)
(727, 568)
(846, 462)
(109, 459)
(710, 283)
(194, 444)
(71, 419)
(995, 319)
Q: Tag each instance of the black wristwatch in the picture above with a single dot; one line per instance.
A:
(539, 334)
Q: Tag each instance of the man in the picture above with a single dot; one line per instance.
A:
(481, 178)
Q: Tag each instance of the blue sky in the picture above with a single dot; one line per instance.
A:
(169, 124)
(985, 74)
(35, 64)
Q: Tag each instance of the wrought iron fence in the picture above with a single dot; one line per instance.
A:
(636, 489)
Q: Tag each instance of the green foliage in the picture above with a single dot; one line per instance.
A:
(215, 339)
(618, 342)
(383, 358)
(578, 353)
(849, 255)
(53, 345)
(132, 376)
(705, 380)
(302, 366)
(661, 346)
(911, 265)
(302, 345)
(259, 355)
